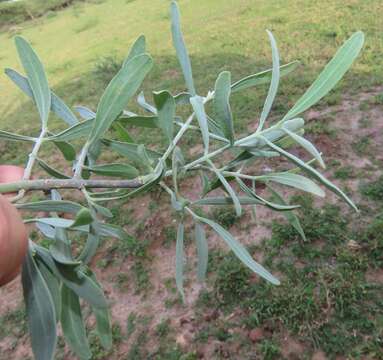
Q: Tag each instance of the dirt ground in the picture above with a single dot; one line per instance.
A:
(350, 120)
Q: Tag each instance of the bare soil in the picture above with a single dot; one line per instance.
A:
(347, 123)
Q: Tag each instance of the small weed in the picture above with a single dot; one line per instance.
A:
(225, 215)
(163, 328)
(373, 190)
(364, 105)
(13, 323)
(378, 100)
(344, 172)
(98, 352)
(321, 127)
(105, 69)
(269, 349)
(372, 241)
(362, 146)
(170, 234)
(141, 277)
(131, 324)
(122, 281)
(232, 280)
(138, 350)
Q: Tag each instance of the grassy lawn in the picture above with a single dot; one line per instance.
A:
(329, 303)
(220, 35)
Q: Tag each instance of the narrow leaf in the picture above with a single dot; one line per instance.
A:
(52, 172)
(138, 48)
(144, 104)
(307, 145)
(297, 181)
(199, 109)
(36, 78)
(57, 105)
(273, 84)
(229, 189)
(307, 168)
(330, 75)
(154, 179)
(66, 149)
(263, 77)
(75, 279)
(122, 133)
(122, 87)
(61, 250)
(83, 217)
(15, 137)
(85, 113)
(166, 108)
(178, 162)
(40, 310)
(103, 326)
(120, 170)
(180, 47)
(222, 106)
(289, 215)
(202, 251)
(129, 150)
(240, 251)
(77, 131)
(225, 200)
(180, 260)
(273, 134)
(73, 325)
(90, 247)
(150, 122)
(53, 286)
(271, 205)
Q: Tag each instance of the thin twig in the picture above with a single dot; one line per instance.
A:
(48, 184)
(31, 161)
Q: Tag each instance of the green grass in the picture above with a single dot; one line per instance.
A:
(220, 35)
(13, 13)
(331, 307)
(373, 190)
(13, 323)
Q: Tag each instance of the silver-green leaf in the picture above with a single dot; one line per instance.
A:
(295, 180)
(199, 110)
(180, 260)
(73, 325)
(36, 77)
(180, 47)
(222, 106)
(138, 48)
(273, 84)
(240, 251)
(166, 108)
(307, 145)
(40, 310)
(330, 75)
(310, 170)
(122, 87)
(202, 251)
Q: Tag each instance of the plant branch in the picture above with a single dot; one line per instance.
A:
(48, 184)
(81, 161)
(30, 163)
(178, 137)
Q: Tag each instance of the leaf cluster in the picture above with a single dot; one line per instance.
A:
(55, 278)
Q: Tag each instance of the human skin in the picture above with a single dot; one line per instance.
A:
(10, 173)
(13, 241)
